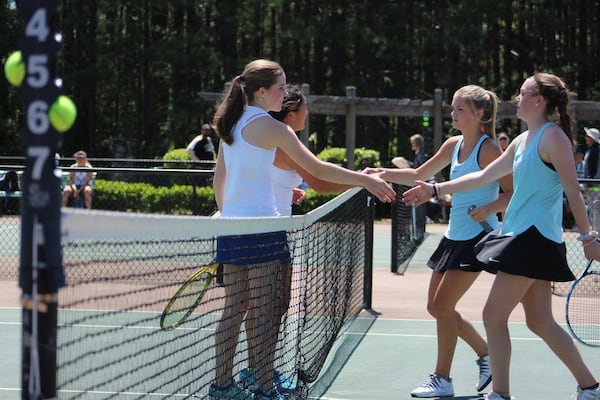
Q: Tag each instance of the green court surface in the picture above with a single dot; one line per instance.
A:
(389, 350)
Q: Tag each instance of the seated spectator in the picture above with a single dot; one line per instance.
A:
(80, 183)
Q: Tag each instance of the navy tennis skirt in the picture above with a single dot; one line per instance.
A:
(253, 249)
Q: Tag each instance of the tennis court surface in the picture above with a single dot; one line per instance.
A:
(385, 352)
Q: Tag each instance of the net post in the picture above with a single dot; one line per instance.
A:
(40, 270)
(368, 271)
(394, 224)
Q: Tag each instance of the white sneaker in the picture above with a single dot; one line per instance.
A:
(434, 386)
(589, 394)
(485, 372)
(496, 396)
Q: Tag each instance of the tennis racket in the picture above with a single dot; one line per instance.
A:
(583, 307)
(484, 224)
(187, 297)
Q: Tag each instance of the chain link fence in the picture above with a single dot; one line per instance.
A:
(145, 186)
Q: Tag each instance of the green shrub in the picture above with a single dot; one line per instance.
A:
(176, 199)
(175, 155)
(337, 155)
(311, 201)
(146, 198)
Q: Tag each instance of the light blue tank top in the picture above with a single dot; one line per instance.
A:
(461, 225)
(248, 186)
(538, 193)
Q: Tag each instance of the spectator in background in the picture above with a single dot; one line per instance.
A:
(503, 140)
(80, 183)
(417, 144)
(579, 164)
(590, 161)
(201, 148)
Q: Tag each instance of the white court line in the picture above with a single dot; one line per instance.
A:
(368, 334)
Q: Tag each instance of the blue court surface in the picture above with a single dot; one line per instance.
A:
(389, 350)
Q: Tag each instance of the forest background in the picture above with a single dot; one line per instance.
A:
(136, 68)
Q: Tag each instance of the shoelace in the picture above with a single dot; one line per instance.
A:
(434, 381)
(483, 366)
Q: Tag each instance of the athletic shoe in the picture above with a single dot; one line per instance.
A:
(496, 396)
(485, 372)
(270, 395)
(248, 379)
(588, 394)
(283, 383)
(434, 386)
(229, 392)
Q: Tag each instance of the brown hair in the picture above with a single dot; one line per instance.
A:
(257, 74)
(556, 94)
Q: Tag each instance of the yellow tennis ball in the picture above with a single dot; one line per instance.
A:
(62, 114)
(14, 68)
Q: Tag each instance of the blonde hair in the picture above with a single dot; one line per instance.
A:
(480, 99)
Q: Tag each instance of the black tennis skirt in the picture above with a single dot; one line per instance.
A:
(456, 254)
(528, 254)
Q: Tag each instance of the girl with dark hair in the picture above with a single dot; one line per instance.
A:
(528, 252)
(286, 176)
(252, 264)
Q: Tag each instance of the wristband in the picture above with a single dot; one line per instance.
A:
(588, 236)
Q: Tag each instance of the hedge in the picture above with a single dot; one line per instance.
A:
(177, 199)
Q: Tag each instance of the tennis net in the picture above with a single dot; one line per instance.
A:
(123, 268)
(408, 230)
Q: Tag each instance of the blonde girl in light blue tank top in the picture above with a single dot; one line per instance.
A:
(453, 263)
(530, 252)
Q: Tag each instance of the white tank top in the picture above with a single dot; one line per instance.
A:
(248, 187)
(284, 181)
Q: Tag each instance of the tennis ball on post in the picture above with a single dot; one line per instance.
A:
(62, 114)
(14, 68)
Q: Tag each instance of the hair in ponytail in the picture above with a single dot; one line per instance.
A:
(257, 74)
(485, 100)
(556, 94)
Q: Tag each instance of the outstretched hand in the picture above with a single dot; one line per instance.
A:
(419, 194)
(381, 189)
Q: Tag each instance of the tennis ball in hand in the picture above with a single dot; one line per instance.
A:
(14, 68)
(62, 114)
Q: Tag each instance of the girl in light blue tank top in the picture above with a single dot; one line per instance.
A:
(453, 262)
(528, 253)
